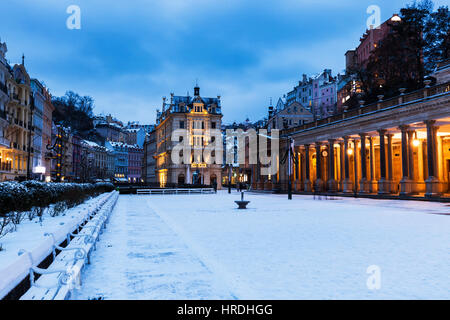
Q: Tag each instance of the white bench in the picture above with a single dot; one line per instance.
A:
(64, 274)
(175, 191)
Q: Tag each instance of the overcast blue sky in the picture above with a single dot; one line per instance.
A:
(129, 54)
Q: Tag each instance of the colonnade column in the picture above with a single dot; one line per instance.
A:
(307, 183)
(332, 183)
(405, 183)
(383, 188)
(373, 186)
(348, 184)
(318, 185)
(411, 156)
(364, 186)
(390, 172)
(433, 185)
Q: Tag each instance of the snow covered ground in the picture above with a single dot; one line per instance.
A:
(201, 247)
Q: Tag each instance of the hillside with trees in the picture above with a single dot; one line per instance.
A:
(75, 112)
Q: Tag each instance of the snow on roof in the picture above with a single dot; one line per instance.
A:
(134, 129)
(124, 145)
(91, 143)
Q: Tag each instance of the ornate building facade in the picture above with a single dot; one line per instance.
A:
(20, 130)
(197, 115)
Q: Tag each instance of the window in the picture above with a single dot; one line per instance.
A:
(213, 125)
(181, 124)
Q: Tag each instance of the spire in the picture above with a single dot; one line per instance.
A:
(197, 90)
(23, 59)
(270, 108)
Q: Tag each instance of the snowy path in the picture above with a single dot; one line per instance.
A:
(201, 247)
(140, 257)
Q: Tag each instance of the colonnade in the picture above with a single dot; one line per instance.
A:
(386, 161)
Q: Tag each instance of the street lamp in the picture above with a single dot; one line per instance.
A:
(229, 178)
(289, 169)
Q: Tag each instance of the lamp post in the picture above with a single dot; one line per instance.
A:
(229, 178)
(57, 147)
(290, 143)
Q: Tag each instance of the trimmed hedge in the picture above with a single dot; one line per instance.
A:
(24, 196)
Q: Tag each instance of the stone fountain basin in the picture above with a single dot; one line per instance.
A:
(242, 204)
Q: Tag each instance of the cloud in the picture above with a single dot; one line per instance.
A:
(129, 54)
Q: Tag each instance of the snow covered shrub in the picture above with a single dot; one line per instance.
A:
(104, 187)
(34, 197)
(13, 197)
(4, 225)
(31, 214)
(58, 208)
(14, 200)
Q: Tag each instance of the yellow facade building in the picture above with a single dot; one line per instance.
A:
(17, 131)
(197, 115)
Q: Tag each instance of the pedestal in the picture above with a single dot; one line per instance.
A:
(373, 186)
(433, 187)
(406, 187)
(318, 185)
(307, 186)
(347, 186)
(364, 186)
(385, 187)
(332, 185)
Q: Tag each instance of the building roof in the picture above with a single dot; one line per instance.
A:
(116, 144)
